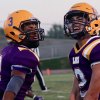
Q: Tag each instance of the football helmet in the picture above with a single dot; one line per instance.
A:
(13, 26)
(85, 11)
(94, 27)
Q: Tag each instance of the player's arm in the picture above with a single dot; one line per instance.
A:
(14, 85)
(94, 88)
(74, 95)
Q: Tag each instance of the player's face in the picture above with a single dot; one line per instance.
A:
(30, 28)
(76, 24)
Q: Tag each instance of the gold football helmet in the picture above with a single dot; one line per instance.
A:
(86, 11)
(13, 25)
(94, 27)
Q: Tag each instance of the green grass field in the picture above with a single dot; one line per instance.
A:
(59, 87)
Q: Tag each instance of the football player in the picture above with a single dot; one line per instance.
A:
(18, 62)
(39, 76)
(81, 23)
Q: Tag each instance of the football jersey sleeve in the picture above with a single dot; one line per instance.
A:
(24, 59)
(92, 52)
(95, 55)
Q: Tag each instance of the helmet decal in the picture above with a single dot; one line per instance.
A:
(10, 21)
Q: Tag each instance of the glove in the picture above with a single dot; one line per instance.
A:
(38, 97)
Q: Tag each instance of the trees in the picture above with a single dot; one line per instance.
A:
(2, 36)
(56, 31)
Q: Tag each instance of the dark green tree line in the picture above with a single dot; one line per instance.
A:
(56, 31)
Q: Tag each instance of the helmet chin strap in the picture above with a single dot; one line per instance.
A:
(79, 35)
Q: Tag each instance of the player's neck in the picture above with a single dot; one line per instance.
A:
(82, 41)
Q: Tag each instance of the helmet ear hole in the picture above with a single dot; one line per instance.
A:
(12, 33)
(96, 25)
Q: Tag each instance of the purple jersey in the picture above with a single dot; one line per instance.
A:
(83, 59)
(18, 58)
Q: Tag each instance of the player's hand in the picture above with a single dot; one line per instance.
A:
(38, 98)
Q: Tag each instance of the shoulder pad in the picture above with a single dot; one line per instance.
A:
(22, 48)
(89, 48)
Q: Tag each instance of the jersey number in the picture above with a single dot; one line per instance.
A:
(10, 21)
(80, 76)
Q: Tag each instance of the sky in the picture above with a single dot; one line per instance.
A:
(49, 12)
